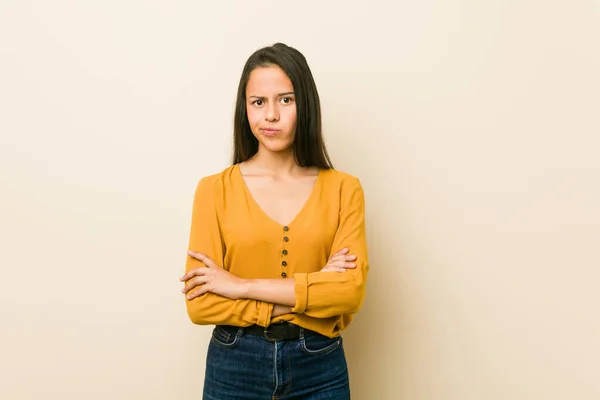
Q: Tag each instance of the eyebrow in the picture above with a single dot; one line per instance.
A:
(279, 95)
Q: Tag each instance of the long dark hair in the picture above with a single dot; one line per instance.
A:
(309, 147)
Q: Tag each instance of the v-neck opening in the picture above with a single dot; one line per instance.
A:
(298, 215)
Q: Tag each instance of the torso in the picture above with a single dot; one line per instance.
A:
(295, 231)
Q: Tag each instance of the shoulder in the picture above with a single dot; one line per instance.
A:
(216, 181)
(342, 180)
(343, 186)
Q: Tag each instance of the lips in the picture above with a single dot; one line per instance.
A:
(270, 131)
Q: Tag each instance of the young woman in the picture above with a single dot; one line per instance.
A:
(277, 254)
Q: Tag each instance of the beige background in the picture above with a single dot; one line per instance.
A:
(473, 125)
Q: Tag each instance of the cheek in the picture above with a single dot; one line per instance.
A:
(253, 117)
(291, 118)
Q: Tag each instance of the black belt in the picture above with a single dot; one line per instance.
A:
(275, 332)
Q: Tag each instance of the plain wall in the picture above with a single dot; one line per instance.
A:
(474, 127)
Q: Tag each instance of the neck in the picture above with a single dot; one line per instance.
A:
(271, 163)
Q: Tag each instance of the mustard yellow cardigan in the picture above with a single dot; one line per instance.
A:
(229, 226)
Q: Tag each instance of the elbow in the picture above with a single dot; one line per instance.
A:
(357, 289)
(353, 307)
(354, 303)
(198, 314)
(197, 319)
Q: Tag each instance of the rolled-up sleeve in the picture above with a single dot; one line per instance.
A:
(329, 294)
(205, 237)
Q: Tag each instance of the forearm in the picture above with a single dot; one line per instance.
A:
(328, 294)
(276, 291)
(212, 309)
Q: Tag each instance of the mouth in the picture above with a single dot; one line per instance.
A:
(270, 131)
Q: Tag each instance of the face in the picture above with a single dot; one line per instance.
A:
(271, 109)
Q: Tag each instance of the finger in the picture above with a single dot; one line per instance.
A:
(342, 264)
(195, 282)
(333, 269)
(340, 252)
(339, 258)
(194, 272)
(343, 258)
(194, 254)
(198, 292)
(203, 257)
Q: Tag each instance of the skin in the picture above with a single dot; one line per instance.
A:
(271, 110)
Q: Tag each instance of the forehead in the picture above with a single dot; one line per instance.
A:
(268, 80)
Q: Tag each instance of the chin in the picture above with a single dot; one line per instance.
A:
(275, 145)
(278, 149)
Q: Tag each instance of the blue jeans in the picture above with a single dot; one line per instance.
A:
(245, 366)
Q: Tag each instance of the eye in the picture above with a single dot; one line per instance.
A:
(258, 102)
(287, 100)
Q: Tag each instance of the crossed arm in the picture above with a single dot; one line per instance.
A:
(279, 292)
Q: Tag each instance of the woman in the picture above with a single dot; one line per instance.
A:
(277, 254)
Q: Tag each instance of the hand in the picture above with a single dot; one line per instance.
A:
(279, 310)
(213, 279)
(340, 262)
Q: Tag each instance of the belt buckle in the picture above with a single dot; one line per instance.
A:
(267, 333)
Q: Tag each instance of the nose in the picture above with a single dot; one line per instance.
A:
(272, 112)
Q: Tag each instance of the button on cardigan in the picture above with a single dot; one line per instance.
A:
(230, 227)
